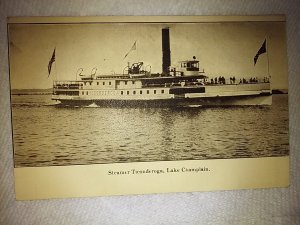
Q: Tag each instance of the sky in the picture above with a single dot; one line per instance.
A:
(223, 49)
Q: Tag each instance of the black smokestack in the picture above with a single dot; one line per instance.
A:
(166, 53)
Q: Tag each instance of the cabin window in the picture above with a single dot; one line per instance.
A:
(154, 91)
(109, 83)
(141, 92)
(125, 82)
(194, 65)
(82, 93)
(97, 83)
(134, 92)
(103, 83)
(147, 91)
(162, 91)
(127, 92)
(90, 83)
(87, 93)
(121, 92)
(188, 65)
(133, 82)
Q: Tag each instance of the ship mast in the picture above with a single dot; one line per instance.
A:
(267, 50)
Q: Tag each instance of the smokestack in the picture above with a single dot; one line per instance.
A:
(166, 53)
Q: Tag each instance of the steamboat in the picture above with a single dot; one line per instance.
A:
(184, 85)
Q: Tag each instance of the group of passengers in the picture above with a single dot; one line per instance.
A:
(222, 80)
(251, 80)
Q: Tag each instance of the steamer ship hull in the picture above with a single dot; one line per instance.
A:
(202, 95)
(213, 101)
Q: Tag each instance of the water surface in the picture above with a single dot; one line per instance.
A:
(46, 135)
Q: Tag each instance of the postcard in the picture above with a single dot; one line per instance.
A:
(139, 105)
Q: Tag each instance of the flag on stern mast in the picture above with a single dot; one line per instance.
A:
(52, 60)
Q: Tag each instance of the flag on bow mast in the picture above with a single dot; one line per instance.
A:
(263, 49)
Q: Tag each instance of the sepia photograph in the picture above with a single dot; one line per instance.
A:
(100, 93)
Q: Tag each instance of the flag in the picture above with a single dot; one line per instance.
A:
(132, 48)
(79, 72)
(263, 49)
(51, 62)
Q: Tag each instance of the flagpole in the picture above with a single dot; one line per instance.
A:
(55, 63)
(137, 51)
(55, 69)
(268, 56)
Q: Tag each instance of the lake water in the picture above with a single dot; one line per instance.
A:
(46, 135)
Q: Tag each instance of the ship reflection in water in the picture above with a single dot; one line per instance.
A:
(47, 135)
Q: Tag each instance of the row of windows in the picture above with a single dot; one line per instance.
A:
(122, 92)
(141, 92)
(103, 83)
(98, 92)
(70, 93)
(109, 83)
(133, 82)
(190, 65)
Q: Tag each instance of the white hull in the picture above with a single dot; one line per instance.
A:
(240, 94)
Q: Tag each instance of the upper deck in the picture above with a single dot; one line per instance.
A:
(137, 76)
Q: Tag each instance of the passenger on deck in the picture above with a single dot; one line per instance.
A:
(223, 80)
